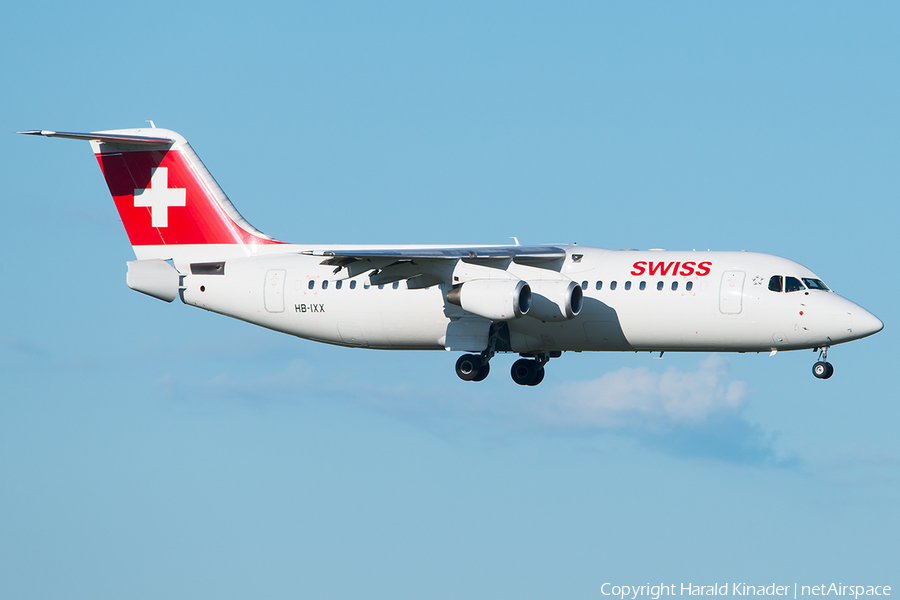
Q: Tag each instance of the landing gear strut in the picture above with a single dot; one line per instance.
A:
(476, 367)
(823, 369)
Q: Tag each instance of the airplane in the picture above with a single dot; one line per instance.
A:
(190, 242)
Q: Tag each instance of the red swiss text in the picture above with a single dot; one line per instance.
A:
(673, 268)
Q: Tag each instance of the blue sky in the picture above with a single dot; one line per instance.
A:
(150, 450)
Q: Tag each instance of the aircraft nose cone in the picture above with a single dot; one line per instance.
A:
(865, 323)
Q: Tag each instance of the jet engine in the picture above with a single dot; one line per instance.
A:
(497, 300)
(555, 300)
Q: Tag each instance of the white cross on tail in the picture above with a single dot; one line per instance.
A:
(158, 197)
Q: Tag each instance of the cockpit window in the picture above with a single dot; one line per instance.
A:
(775, 283)
(815, 284)
(792, 284)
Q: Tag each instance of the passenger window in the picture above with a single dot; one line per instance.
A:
(689, 286)
(674, 286)
(325, 285)
(643, 285)
(353, 284)
(815, 284)
(659, 286)
(612, 285)
(312, 283)
(775, 283)
(584, 285)
(792, 284)
(599, 285)
(627, 285)
(396, 285)
(338, 284)
(381, 287)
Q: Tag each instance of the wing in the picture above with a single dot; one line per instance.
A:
(427, 266)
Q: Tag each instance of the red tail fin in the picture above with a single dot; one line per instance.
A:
(164, 193)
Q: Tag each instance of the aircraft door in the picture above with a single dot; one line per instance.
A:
(274, 291)
(731, 293)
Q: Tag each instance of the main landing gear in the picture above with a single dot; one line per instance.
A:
(823, 369)
(529, 371)
(525, 371)
(473, 367)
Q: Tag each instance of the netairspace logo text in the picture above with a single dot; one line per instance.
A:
(654, 592)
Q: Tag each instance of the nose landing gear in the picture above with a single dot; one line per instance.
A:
(823, 369)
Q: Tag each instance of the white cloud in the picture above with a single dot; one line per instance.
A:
(627, 398)
(696, 412)
(640, 396)
(690, 413)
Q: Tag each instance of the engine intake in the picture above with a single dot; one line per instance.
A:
(497, 300)
(555, 300)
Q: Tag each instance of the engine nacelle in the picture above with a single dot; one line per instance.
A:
(555, 300)
(494, 299)
(153, 277)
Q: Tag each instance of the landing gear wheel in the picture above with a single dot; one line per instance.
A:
(469, 367)
(525, 372)
(823, 370)
(538, 377)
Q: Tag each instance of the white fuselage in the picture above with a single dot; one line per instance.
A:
(633, 300)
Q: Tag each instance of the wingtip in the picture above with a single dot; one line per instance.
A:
(43, 132)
